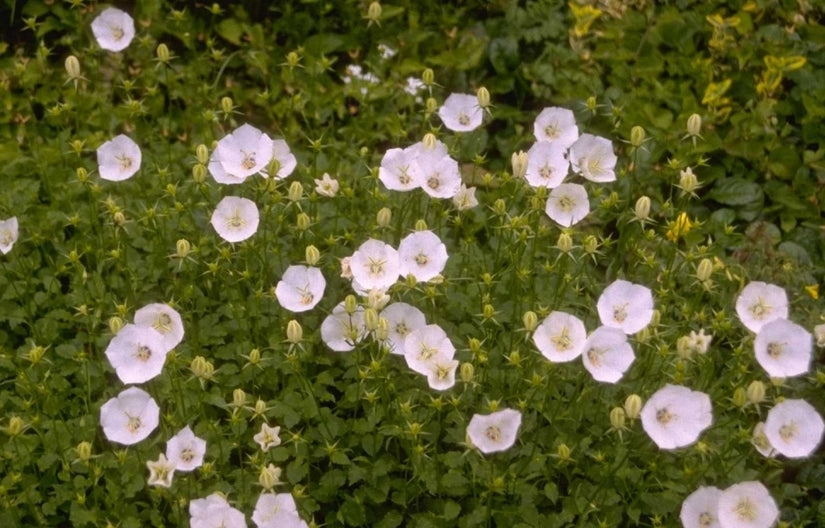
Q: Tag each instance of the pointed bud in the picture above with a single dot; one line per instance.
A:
(756, 392)
(429, 141)
(519, 162)
(162, 52)
(428, 77)
(530, 320)
(254, 356)
(642, 208)
(704, 269)
(202, 154)
(227, 105)
(483, 96)
(82, 175)
(238, 398)
(694, 125)
(312, 255)
(740, 397)
(72, 67)
(565, 242)
(294, 332)
(466, 371)
(374, 14)
(633, 406)
(563, 452)
(260, 407)
(269, 477)
(370, 319)
(201, 368)
(420, 225)
(115, 324)
(637, 136)
(688, 181)
(382, 331)
(500, 207)
(617, 418)
(84, 451)
(590, 244)
(474, 345)
(15, 426)
(302, 222)
(384, 217)
(350, 304)
(296, 191)
(431, 105)
(199, 173)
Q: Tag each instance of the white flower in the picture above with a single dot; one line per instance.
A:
(747, 505)
(285, 158)
(461, 113)
(8, 234)
(560, 337)
(277, 511)
(118, 159)
(375, 264)
(235, 219)
(794, 428)
(268, 437)
(165, 320)
(214, 512)
(341, 331)
(137, 353)
(699, 509)
(113, 29)
(626, 306)
(422, 255)
(760, 303)
(441, 373)
(784, 349)
(402, 319)
(300, 288)
(675, 416)
(376, 299)
(819, 330)
(219, 174)
(546, 165)
(129, 417)
(326, 186)
(593, 158)
(494, 432)
(185, 450)
(426, 345)
(465, 198)
(395, 171)
(413, 85)
(700, 342)
(437, 175)
(386, 51)
(161, 472)
(567, 204)
(557, 125)
(607, 354)
(244, 152)
(760, 441)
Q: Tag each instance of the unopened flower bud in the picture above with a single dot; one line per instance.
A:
(500, 207)
(72, 67)
(254, 356)
(474, 345)
(483, 96)
(617, 418)
(740, 397)
(202, 154)
(519, 162)
(466, 371)
(756, 392)
(704, 269)
(431, 106)
(590, 244)
(312, 255)
(292, 59)
(530, 320)
(591, 103)
(350, 304)
(819, 334)
(201, 368)
(119, 218)
(428, 77)
(688, 181)
(642, 208)
(429, 141)
(488, 311)
(637, 136)
(294, 332)
(15, 426)
(182, 248)
(199, 173)
(84, 451)
(694, 125)
(296, 191)
(633, 406)
(565, 242)
(238, 398)
(162, 52)
(655, 319)
(563, 452)
(227, 105)
(269, 477)
(382, 331)
(384, 217)
(36, 354)
(370, 319)
(260, 407)
(374, 13)
(683, 347)
(82, 175)
(420, 225)
(302, 221)
(115, 324)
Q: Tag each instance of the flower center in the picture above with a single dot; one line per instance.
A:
(788, 431)
(426, 352)
(248, 160)
(493, 433)
(143, 353)
(117, 32)
(125, 162)
(664, 416)
(552, 131)
(421, 259)
(163, 323)
(760, 309)
(133, 424)
(566, 203)
(463, 120)
(595, 356)
(546, 172)
(620, 313)
(401, 329)
(745, 509)
(187, 454)
(562, 340)
(376, 266)
(306, 296)
(775, 349)
(235, 221)
(442, 371)
(705, 519)
(434, 181)
(6, 237)
(403, 177)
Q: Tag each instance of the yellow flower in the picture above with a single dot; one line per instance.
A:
(679, 228)
(813, 291)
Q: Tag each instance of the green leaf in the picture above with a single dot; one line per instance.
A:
(737, 191)
(231, 30)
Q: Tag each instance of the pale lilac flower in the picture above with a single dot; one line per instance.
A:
(244, 152)
(461, 113)
(165, 320)
(784, 349)
(118, 159)
(426, 344)
(675, 416)
(375, 264)
(113, 29)
(747, 505)
(285, 158)
(268, 437)
(794, 428)
(235, 219)
(567, 204)
(760, 303)
(161, 472)
(557, 125)
(494, 432)
(441, 373)
(341, 331)
(301, 288)
(185, 450)
(327, 186)
(8, 234)
(137, 353)
(395, 171)
(699, 509)
(402, 319)
(277, 511)
(547, 165)
(592, 157)
(437, 175)
(129, 417)
(626, 306)
(607, 354)
(560, 337)
(423, 255)
(214, 512)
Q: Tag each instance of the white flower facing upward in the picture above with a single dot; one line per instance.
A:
(137, 353)
(567, 204)
(699, 509)
(547, 165)
(375, 264)
(592, 157)
(165, 320)
(784, 349)
(268, 437)
(494, 432)
(129, 417)
(185, 450)
(426, 345)
(560, 337)
(402, 318)
(277, 510)
(747, 505)
(557, 125)
(465, 198)
(675, 416)
(626, 306)
(214, 512)
(437, 175)
(341, 331)
(461, 113)
(118, 159)
(794, 428)
(113, 29)
(161, 472)
(9, 231)
(760, 303)
(327, 186)
(235, 219)
(243, 152)
(395, 171)
(423, 255)
(607, 354)
(300, 288)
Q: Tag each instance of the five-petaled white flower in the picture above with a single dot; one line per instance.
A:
(546, 165)
(163, 318)
(441, 373)
(607, 354)
(423, 255)
(341, 330)
(675, 416)
(784, 349)
(214, 512)
(461, 113)
(185, 450)
(557, 125)
(327, 186)
(268, 437)
(130, 416)
(137, 353)
(161, 472)
(8, 234)
(567, 204)
(794, 428)
(747, 505)
(113, 29)
(494, 432)
(277, 510)
(465, 198)
(300, 288)
(402, 318)
(592, 157)
(760, 303)
(438, 175)
(395, 171)
(118, 159)
(240, 154)
(560, 337)
(235, 219)
(375, 264)
(626, 306)
(425, 345)
(699, 509)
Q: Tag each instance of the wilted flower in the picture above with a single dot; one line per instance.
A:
(113, 29)
(593, 158)
(137, 353)
(547, 165)
(494, 432)
(794, 428)
(784, 349)
(422, 255)
(567, 204)
(560, 337)
(699, 509)
(760, 303)
(235, 219)
(557, 125)
(165, 320)
(341, 331)
(461, 112)
(402, 318)
(8, 234)
(129, 417)
(675, 416)
(300, 288)
(607, 354)
(185, 451)
(626, 306)
(214, 512)
(118, 159)
(747, 505)
(161, 472)
(760, 441)
(326, 186)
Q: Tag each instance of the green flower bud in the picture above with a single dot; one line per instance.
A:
(269, 477)
(500, 207)
(530, 320)
(420, 225)
(294, 332)
(15, 426)
(740, 397)
(302, 221)
(564, 243)
(704, 269)
(162, 52)
(254, 356)
(370, 319)
(227, 105)
(519, 162)
(633, 406)
(72, 67)
(563, 452)
(384, 217)
(756, 392)
(466, 371)
(428, 77)
(474, 345)
(238, 398)
(488, 311)
(201, 368)
(374, 13)
(202, 154)
(115, 324)
(382, 331)
(260, 407)
(688, 181)
(617, 418)
(637, 136)
(296, 191)
(642, 208)
(199, 173)
(350, 304)
(431, 106)
(84, 451)
(590, 244)
(483, 96)
(82, 175)
(292, 59)
(694, 125)
(182, 248)
(429, 141)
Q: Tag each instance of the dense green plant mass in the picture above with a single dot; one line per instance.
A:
(364, 440)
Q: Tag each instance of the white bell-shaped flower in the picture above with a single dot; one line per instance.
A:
(760, 303)
(277, 510)
(426, 345)
(747, 505)
(235, 219)
(626, 306)
(395, 171)
(607, 354)
(118, 159)
(794, 428)
(341, 331)
(244, 152)
(675, 416)
(214, 512)
(438, 176)
(784, 349)
(402, 318)
(557, 125)
(700, 508)
(129, 417)
(165, 320)
(9, 231)
(567, 204)
(461, 112)
(185, 450)
(375, 264)
(300, 288)
(547, 165)
(494, 432)
(137, 353)
(592, 157)
(113, 29)
(423, 255)
(560, 337)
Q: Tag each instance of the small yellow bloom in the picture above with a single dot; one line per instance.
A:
(679, 228)
(813, 291)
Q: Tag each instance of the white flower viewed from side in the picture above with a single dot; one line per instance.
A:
(423, 255)
(118, 159)
(592, 157)
(747, 505)
(461, 113)
(375, 264)
(235, 219)
(675, 416)
(784, 349)
(300, 288)
(494, 432)
(165, 320)
(326, 186)
(285, 158)
(465, 198)
(794, 428)
(277, 510)
(242, 153)
(185, 450)
(607, 354)
(214, 512)
(402, 318)
(760, 441)
(129, 417)
(546, 165)
(626, 306)
(567, 204)
(8, 234)
(557, 125)
(161, 472)
(760, 303)
(268, 437)
(137, 353)
(699, 509)
(341, 331)
(560, 337)
(113, 29)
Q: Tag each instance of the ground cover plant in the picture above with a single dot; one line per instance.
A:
(412, 264)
